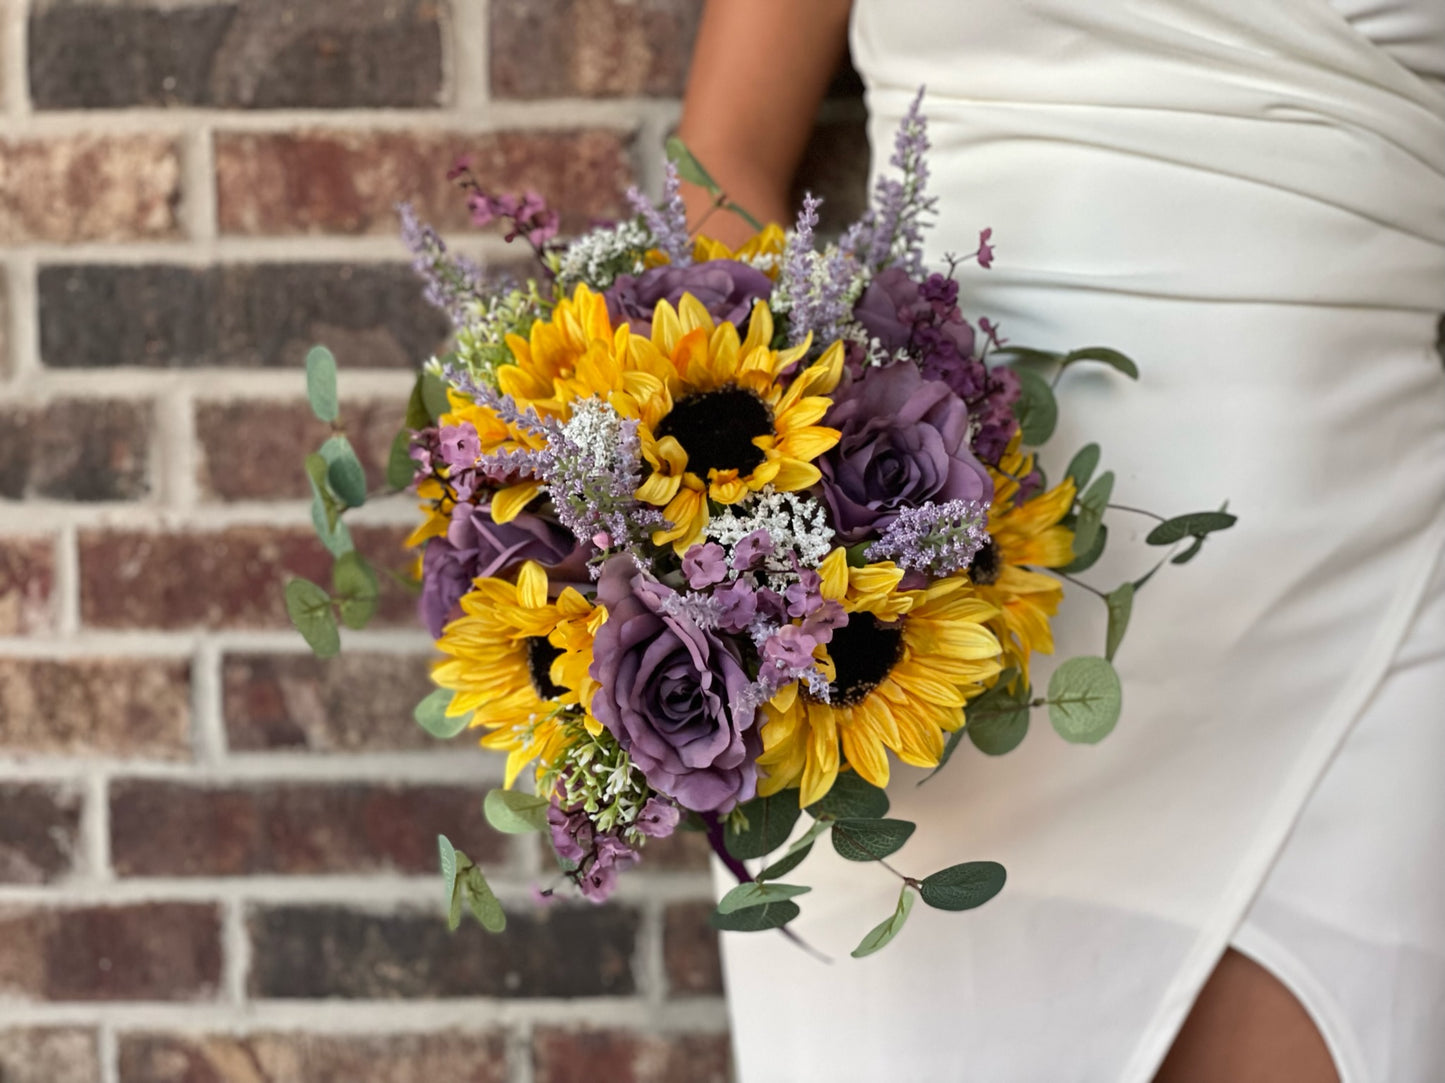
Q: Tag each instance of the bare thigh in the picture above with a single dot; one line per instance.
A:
(1246, 1027)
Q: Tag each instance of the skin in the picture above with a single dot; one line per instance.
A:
(759, 74)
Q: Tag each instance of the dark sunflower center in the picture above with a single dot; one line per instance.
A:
(864, 652)
(986, 564)
(716, 429)
(540, 654)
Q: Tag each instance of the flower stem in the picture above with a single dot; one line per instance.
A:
(1137, 511)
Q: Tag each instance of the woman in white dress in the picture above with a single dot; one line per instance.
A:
(1245, 881)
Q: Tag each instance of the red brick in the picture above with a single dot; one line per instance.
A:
(252, 449)
(349, 182)
(27, 585)
(689, 950)
(39, 830)
(175, 829)
(563, 1055)
(591, 48)
(219, 579)
(74, 188)
(450, 1055)
(76, 449)
(150, 951)
(49, 1055)
(352, 703)
(686, 851)
(96, 707)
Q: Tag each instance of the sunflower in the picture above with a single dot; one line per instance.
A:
(764, 249)
(901, 670)
(1023, 536)
(517, 662)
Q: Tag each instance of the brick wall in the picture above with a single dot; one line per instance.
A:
(216, 854)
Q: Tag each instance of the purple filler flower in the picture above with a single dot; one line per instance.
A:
(671, 693)
(726, 288)
(905, 442)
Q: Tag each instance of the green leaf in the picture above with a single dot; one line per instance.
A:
(1082, 465)
(688, 167)
(431, 715)
(449, 863)
(332, 532)
(770, 822)
(998, 720)
(796, 853)
(984, 705)
(356, 585)
(1190, 553)
(454, 908)
(1036, 409)
(742, 213)
(773, 915)
(1089, 559)
(434, 398)
(1085, 700)
(963, 887)
(882, 933)
(1113, 358)
(321, 383)
(343, 472)
(309, 608)
(399, 466)
(745, 896)
(417, 416)
(515, 813)
(851, 798)
(869, 840)
(1121, 606)
(1028, 356)
(1198, 524)
(484, 905)
(1091, 512)
(1143, 579)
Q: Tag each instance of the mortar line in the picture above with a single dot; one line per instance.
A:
(198, 182)
(278, 384)
(24, 331)
(14, 60)
(96, 826)
(469, 75)
(66, 598)
(174, 444)
(208, 727)
(236, 952)
(648, 959)
(519, 1052)
(108, 1052)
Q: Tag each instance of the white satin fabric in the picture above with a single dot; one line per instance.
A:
(1247, 197)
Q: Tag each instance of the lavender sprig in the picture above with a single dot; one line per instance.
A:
(937, 539)
(816, 289)
(666, 221)
(891, 231)
(453, 282)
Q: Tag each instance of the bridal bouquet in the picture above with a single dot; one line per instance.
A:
(711, 537)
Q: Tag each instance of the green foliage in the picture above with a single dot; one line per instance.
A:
(1082, 563)
(796, 854)
(884, 932)
(321, 383)
(770, 821)
(753, 894)
(433, 390)
(963, 887)
(399, 467)
(773, 915)
(431, 715)
(309, 607)
(1036, 408)
(998, 720)
(1024, 355)
(1190, 553)
(483, 904)
(1084, 700)
(1082, 465)
(515, 813)
(343, 471)
(1121, 606)
(1196, 524)
(467, 889)
(688, 167)
(1113, 358)
(356, 587)
(851, 798)
(449, 864)
(869, 840)
(1091, 512)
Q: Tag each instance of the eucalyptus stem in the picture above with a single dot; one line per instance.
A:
(1137, 511)
(1079, 583)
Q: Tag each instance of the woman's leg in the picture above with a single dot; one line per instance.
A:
(1246, 1027)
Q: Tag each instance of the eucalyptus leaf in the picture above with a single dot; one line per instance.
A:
(770, 822)
(449, 863)
(749, 895)
(321, 383)
(434, 398)
(417, 417)
(870, 840)
(1121, 606)
(742, 213)
(1113, 358)
(998, 720)
(796, 853)
(454, 908)
(773, 915)
(1197, 523)
(1082, 465)
(330, 530)
(1036, 408)
(1190, 553)
(1088, 560)
(431, 715)
(1029, 356)
(963, 887)
(356, 586)
(851, 798)
(884, 932)
(400, 469)
(513, 812)
(484, 904)
(985, 705)
(1091, 511)
(309, 607)
(343, 472)
(1084, 700)
(688, 167)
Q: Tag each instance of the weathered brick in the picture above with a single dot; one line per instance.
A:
(835, 168)
(218, 579)
(563, 951)
(690, 951)
(236, 315)
(259, 54)
(271, 183)
(682, 851)
(27, 584)
(39, 828)
(88, 188)
(566, 1055)
(160, 828)
(289, 1057)
(149, 951)
(591, 48)
(235, 465)
(49, 1055)
(76, 449)
(352, 703)
(95, 707)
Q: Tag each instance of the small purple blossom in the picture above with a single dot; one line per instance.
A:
(597, 856)
(666, 221)
(752, 549)
(936, 539)
(737, 606)
(658, 818)
(704, 565)
(985, 250)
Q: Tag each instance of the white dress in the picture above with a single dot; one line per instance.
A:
(1248, 197)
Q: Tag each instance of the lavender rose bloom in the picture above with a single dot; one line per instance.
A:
(726, 288)
(475, 547)
(905, 442)
(671, 695)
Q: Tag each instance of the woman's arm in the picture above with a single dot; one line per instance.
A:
(759, 73)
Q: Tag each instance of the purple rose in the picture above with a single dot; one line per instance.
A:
(905, 442)
(474, 547)
(924, 317)
(671, 693)
(726, 288)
